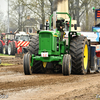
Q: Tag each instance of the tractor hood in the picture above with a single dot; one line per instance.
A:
(48, 41)
(54, 33)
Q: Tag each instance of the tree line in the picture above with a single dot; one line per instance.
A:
(80, 10)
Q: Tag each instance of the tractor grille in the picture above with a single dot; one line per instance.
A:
(45, 42)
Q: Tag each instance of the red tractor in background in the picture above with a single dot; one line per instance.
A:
(6, 39)
(22, 42)
(12, 44)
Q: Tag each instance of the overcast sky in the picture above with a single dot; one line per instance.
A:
(3, 6)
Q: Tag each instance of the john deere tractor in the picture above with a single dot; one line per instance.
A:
(49, 47)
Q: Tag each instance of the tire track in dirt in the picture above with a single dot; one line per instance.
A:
(46, 86)
(85, 88)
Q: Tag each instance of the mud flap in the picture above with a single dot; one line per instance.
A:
(93, 64)
(0, 61)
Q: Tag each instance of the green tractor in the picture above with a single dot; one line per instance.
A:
(48, 47)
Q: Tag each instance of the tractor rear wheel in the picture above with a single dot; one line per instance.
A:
(34, 45)
(79, 54)
(11, 48)
(1, 47)
(66, 67)
(33, 49)
(26, 64)
(5, 49)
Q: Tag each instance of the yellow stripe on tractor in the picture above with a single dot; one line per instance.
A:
(44, 64)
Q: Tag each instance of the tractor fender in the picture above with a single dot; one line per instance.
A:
(2, 42)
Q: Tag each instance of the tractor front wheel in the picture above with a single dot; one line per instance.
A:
(26, 64)
(66, 67)
(11, 48)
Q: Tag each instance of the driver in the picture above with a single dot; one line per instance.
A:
(60, 27)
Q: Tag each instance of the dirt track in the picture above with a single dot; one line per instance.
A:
(17, 86)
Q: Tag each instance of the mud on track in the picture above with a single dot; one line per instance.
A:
(17, 86)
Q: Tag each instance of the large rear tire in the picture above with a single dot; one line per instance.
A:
(11, 48)
(33, 49)
(34, 45)
(79, 54)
